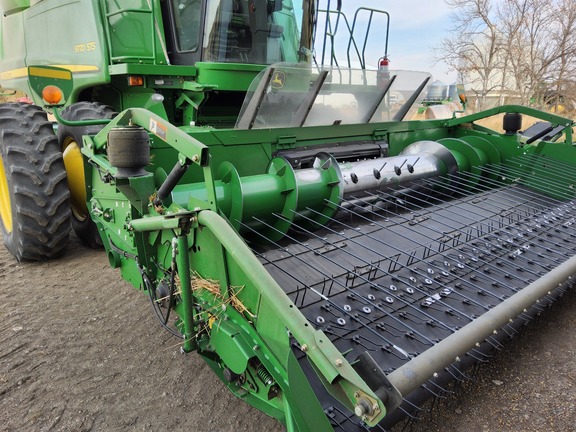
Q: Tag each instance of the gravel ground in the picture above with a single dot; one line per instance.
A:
(80, 351)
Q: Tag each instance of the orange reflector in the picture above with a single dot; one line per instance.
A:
(52, 94)
(135, 80)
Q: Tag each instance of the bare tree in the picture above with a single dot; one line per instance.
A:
(524, 48)
(473, 48)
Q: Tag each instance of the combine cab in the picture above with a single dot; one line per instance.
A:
(334, 263)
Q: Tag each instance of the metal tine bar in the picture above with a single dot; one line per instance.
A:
(557, 204)
(459, 277)
(530, 163)
(526, 231)
(460, 376)
(427, 388)
(442, 389)
(479, 238)
(528, 194)
(375, 286)
(414, 409)
(474, 221)
(352, 240)
(547, 172)
(513, 170)
(494, 343)
(557, 162)
(430, 228)
(499, 282)
(478, 359)
(327, 299)
(346, 288)
(487, 263)
(553, 206)
(411, 305)
(421, 291)
(508, 208)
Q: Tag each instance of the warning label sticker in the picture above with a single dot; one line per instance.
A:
(158, 129)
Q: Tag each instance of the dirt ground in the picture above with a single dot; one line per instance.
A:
(80, 350)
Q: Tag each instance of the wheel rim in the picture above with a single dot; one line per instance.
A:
(5, 206)
(74, 165)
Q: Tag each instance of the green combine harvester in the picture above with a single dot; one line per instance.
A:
(334, 263)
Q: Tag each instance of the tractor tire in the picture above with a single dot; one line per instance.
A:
(70, 140)
(34, 197)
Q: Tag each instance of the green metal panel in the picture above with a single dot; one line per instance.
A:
(52, 38)
(133, 31)
(228, 76)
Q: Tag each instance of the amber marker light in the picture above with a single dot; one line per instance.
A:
(52, 94)
(135, 81)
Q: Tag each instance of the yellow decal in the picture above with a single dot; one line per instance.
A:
(84, 47)
(278, 80)
(23, 72)
(50, 73)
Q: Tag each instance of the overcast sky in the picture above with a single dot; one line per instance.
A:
(416, 26)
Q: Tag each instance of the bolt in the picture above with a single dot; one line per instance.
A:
(360, 410)
(338, 362)
(304, 348)
(195, 158)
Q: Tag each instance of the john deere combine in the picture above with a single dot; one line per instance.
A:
(333, 263)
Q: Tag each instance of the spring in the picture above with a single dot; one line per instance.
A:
(264, 375)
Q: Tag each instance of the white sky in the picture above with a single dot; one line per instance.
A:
(416, 26)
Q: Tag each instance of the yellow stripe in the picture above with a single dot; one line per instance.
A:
(14, 73)
(50, 73)
(23, 72)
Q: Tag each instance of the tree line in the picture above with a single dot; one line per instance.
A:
(519, 49)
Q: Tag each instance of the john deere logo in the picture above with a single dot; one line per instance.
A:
(278, 80)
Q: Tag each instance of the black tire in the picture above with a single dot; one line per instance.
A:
(36, 220)
(85, 229)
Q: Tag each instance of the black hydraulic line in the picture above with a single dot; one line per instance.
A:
(540, 135)
(155, 305)
(171, 181)
(172, 284)
(399, 116)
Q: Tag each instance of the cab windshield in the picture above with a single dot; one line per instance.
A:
(252, 31)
